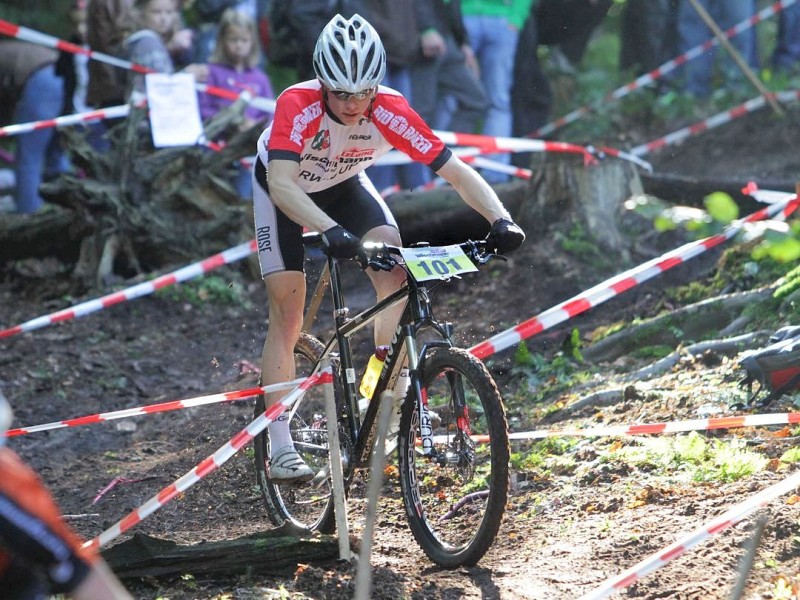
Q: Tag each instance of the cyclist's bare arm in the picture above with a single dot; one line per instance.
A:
(287, 195)
(473, 189)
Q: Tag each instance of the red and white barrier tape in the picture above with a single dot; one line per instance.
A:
(709, 424)
(42, 39)
(489, 145)
(493, 165)
(210, 464)
(113, 112)
(662, 70)
(472, 144)
(623, 282)
(142, 289)
(715, 121)
(764, 196)
(154, 408)
(676, 549)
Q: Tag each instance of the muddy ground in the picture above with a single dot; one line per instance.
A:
(566, 529)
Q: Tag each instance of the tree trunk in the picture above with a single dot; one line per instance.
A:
(564, 193)
(269, 552)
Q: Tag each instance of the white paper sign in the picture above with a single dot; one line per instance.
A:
(174, 113)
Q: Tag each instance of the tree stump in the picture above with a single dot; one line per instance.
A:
(564, 192)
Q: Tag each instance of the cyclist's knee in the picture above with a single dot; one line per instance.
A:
(383, 233)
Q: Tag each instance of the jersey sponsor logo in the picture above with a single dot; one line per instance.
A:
(360, 136)
(310, 177)
(321, 141)
(357, 153)
(320, 162)
(264, 239)
(401, 127)
(301, 121)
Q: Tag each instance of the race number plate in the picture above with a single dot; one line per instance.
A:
(437, 262)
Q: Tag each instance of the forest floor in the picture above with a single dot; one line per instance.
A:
(586, 513)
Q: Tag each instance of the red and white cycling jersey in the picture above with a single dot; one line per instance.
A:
(330, 152)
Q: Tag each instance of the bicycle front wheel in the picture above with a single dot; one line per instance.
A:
(307, 506)
(455, 498)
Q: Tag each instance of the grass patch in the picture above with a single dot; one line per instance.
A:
(545, 458)
(692, 458)
(211, 288)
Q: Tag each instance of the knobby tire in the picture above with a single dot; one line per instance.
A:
(454, 510)
(300, 506)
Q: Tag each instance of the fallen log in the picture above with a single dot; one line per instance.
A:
(691, 190)
(54, 231)
(268, 552)
(440, 216)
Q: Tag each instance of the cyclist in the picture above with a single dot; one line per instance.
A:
(310, 173)
(39, 554)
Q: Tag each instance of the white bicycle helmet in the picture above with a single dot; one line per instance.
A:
(349, 55)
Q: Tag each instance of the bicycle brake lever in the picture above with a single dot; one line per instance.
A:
(383, 265)
(485, 258)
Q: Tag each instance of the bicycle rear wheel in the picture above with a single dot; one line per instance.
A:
(307, 506)
(455, 501)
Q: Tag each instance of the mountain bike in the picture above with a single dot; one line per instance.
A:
(453, 471)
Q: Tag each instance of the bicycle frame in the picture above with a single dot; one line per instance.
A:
(417, 316)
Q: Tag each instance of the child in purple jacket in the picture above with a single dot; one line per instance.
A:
(235, 65)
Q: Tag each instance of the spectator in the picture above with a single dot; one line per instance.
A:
(531, 95)
(154, 22)
(786, 56)
(693, 31)
(294, 28)
(39, 554)
(552, 23)
(209, 13)
(107, 23)
(493, 27)
(180, 43)
(74, 68)
(446, 67)
(567, 25)
(234, 65)
(648, 34)
(395, 23)
(31, 91)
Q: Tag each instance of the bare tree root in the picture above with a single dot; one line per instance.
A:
(732, 345)
(613, 396)
(674, 328)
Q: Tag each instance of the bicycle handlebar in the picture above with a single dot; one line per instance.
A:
(382, 257)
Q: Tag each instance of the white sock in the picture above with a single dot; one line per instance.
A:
(279, 435)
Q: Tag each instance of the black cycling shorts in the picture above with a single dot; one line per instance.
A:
(354, 204)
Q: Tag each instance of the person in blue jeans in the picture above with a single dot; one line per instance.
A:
(493, 28)
(786, 55)
(396, 24)
(692, 31)
(32, 91)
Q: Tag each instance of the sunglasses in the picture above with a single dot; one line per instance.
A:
(345, 96)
